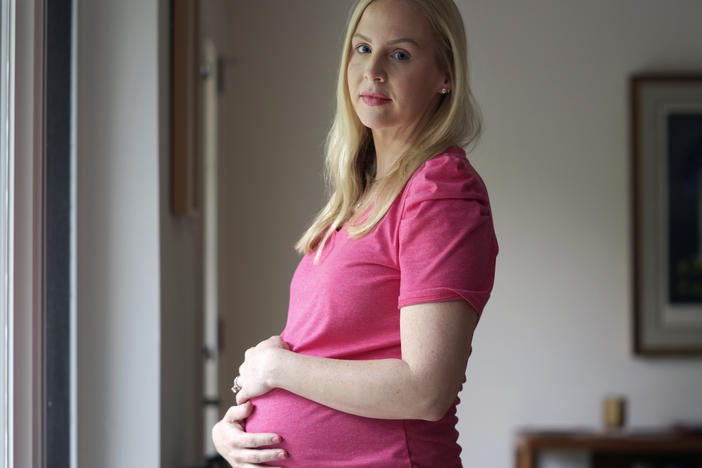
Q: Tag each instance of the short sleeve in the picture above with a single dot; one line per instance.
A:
(447, 246)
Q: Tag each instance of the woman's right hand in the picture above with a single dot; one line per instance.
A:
(240, 448)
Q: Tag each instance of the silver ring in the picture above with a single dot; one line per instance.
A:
(236, 387)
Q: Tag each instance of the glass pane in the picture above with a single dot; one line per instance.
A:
(4, 228)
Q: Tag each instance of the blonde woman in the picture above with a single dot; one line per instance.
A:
(396, 268)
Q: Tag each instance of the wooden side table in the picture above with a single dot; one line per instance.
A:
(652, 448)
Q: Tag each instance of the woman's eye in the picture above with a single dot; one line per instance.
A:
(362, 48)
(401, 55)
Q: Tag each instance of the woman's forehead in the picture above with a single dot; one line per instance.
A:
(390, 20)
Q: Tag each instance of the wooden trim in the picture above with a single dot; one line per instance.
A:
(531, 443)
(186, 167)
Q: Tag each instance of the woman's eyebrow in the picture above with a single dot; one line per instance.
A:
(394, 41)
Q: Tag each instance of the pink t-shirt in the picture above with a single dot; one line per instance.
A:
(435, 243)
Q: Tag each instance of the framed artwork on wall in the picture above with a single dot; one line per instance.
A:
(666, 130)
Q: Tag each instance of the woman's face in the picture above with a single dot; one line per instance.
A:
(393, 78)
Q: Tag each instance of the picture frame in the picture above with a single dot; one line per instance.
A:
(666, 171)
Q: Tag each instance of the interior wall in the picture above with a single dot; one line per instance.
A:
(138, 293)
(552, 80)
(181, 314)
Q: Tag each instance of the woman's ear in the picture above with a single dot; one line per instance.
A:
(447, 82)
(446, 85)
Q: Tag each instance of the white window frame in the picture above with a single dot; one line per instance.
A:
(25, 428)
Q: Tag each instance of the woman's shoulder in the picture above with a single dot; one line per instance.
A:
(446, 175)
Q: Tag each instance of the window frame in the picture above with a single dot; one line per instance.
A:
(24, 393)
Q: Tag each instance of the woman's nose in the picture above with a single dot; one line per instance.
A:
(374, 70)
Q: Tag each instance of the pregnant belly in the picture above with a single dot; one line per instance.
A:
(317, 436)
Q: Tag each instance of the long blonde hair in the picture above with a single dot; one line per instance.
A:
(350, 154)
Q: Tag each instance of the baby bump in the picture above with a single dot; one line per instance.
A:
(317, 436)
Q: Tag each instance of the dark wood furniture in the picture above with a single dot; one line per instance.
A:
(621, 449)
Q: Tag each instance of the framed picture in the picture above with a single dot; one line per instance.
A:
(666, 116)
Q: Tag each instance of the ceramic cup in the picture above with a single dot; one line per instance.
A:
(614, 411)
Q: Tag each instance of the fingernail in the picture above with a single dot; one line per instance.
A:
(282, 455)
(276, 439)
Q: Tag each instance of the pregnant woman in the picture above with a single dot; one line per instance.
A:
(396, 268)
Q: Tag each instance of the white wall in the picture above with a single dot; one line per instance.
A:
(551, 77)
(118, 249)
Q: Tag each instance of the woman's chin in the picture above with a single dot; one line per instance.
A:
(375, 123)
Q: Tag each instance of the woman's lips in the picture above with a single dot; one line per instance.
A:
(375, 99)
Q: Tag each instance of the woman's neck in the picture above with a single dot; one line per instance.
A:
(388, 149)
(392, 142)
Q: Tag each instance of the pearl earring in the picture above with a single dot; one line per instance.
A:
(445, 91)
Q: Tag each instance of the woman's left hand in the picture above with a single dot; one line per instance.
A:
(255, 374)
